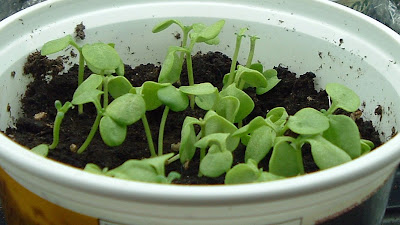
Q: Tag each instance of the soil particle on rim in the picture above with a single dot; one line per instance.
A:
(293, 92)
(80, 31)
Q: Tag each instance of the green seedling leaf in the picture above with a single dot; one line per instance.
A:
(216, 162)
(135, 170)
(42, 150)
(56, 45)
(127, 109)
(93, 168)
(277, 116)
(252, 77)
(343, 97)
(243, 173)
(266, 177)
(260, 143)
(112, 133)
(218, 124)
(120, 71)
(101, 56)
(118, 86)
(172, 66)
(204, 34)
(207, 102)
(228, 107)
(165, 24)
(286, 161)
(250, 127)
(188, 139)
(173, 98)
(343, 132)
(149, 92)
(88, 90)
(366, 146)
(159, 162)
(199, 89)
(308, 121)
(326, 154)
(246, 103)
(257, 66)
(213, 139)
(272, 80)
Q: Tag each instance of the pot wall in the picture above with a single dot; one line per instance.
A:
(338, 44)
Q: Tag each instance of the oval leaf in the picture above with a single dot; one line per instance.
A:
(56, 45)
(88, 90)
(135, 170)
(326, 154)
(215, 163)
(343, 97)
(272, 80)
(171, 68)
(246, 103)
(112, 133)
(199, 89)
(286, 161)
(118, 86)
(343, 132)
(210, 32)
(252, 77)
(165, 24)
(243, 173)
(127, 109)
(308, 121)
(188, 139)
(42, 150)
(149, 92)
(101, 56)
(173, 98)
(228, 107)
(260, 143)
(207, 102)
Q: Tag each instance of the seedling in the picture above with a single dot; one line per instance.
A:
(172, 65)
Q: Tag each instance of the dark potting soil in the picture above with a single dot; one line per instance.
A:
(35, 127)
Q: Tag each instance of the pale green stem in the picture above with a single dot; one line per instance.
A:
(91, 134)
(202, 150)
(161, 131)
(148, 136)
(56, 130)
(105, 90)
(234, 60)
(189, 67)
(173, 159)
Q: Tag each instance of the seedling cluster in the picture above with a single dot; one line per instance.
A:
(334, 139)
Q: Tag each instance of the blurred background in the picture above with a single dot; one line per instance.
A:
(385, 11)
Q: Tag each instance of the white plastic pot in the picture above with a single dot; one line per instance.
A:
(336, 43)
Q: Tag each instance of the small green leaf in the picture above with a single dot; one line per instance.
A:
(228, 107)
(308, 121)
(173, 98)
(120, 71)
(165, 24)
(272, 80)
(213, 139)
(286, 161)
(56, 45)
(343, 97)
(243, 173)
(112, 133)
(343, 132)
(250, 127)
(135, 170)
(42, 150)
(366, 146)
(159, 162)
(216, 162)
(208, 33)
(207, 102)
(251, 77)
(276, 118)
(118, 86)
(93, 168)
(127, 109)
(260, 143)
(266, 177)
(326, 154)
(101, 56)
(87, 91)
(257, 66)
(188, 139)
(246, 103)
(149, 92)
(199, 89)
(218, 124)
(172, 66)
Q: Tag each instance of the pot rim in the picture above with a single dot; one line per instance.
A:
(78, 180)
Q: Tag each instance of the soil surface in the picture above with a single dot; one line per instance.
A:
(35, 127)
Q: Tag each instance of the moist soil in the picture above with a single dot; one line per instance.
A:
(50, 84)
